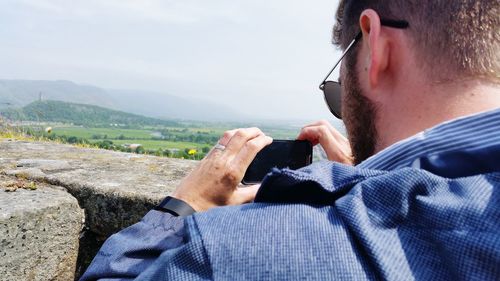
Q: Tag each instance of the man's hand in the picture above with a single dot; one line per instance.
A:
(336, 146)
(214, 182)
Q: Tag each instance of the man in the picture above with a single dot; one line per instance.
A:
(420, 100)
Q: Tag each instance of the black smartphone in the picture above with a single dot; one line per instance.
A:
(279, 154)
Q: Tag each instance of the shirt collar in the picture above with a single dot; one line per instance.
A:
(474, 131)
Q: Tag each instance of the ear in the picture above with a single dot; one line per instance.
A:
(378, 46)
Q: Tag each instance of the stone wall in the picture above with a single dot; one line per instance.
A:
(58, 203)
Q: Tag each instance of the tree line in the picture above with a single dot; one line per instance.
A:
(187, 153)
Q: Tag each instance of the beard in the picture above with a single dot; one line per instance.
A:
(359, 115)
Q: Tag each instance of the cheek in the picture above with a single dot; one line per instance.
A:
(361, 69)
(362, 78)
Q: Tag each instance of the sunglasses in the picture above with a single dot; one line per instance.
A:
(332, 89)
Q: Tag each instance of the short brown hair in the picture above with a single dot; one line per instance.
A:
(461, 36)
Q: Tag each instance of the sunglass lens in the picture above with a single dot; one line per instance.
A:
(333, 97)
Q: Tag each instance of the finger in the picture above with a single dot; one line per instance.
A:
(224, 140)
(240, 138)
(249, 151)
(313, 134)
(307, 134)
(318, 123)
(336, 134)
(336, 150)
(323, 135)
(244, 194)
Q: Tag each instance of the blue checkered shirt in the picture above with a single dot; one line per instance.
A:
(426, 208)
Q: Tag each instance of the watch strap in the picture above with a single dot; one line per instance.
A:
(175, 207)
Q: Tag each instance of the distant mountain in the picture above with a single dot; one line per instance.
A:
(18, 93)
(79, 114)
(171, 107)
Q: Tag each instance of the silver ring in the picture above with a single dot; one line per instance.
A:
(220, 147)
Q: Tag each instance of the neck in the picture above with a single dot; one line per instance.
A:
(432, 106)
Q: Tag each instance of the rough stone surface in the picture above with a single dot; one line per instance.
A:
(39, 229)
(115, 189)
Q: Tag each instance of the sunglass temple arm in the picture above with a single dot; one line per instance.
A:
(340, 59)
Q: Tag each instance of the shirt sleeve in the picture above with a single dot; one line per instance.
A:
(128, 253)
(188, 262)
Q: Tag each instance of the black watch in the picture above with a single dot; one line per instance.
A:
(175, 207)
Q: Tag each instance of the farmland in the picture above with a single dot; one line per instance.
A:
(149, 139)
(111, 133)
(191, 140)
(110, 129)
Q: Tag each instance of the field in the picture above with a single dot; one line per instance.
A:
(147, 138)
(112, 133)
(104, 128)
(161, 144)
(196, 136)
(188, 140)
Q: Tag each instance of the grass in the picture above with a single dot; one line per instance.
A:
(12, 134)
(275, 131)
(88, 133)
(145, 135)
(112, 133)
(7, 134)
(142, 137)
(156, 144)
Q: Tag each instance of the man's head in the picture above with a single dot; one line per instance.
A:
(392, 72)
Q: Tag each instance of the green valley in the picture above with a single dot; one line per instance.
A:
(115, 130)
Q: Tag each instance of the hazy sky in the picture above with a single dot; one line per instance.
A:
(264, 57)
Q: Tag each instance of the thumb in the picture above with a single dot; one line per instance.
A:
(245, 194)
